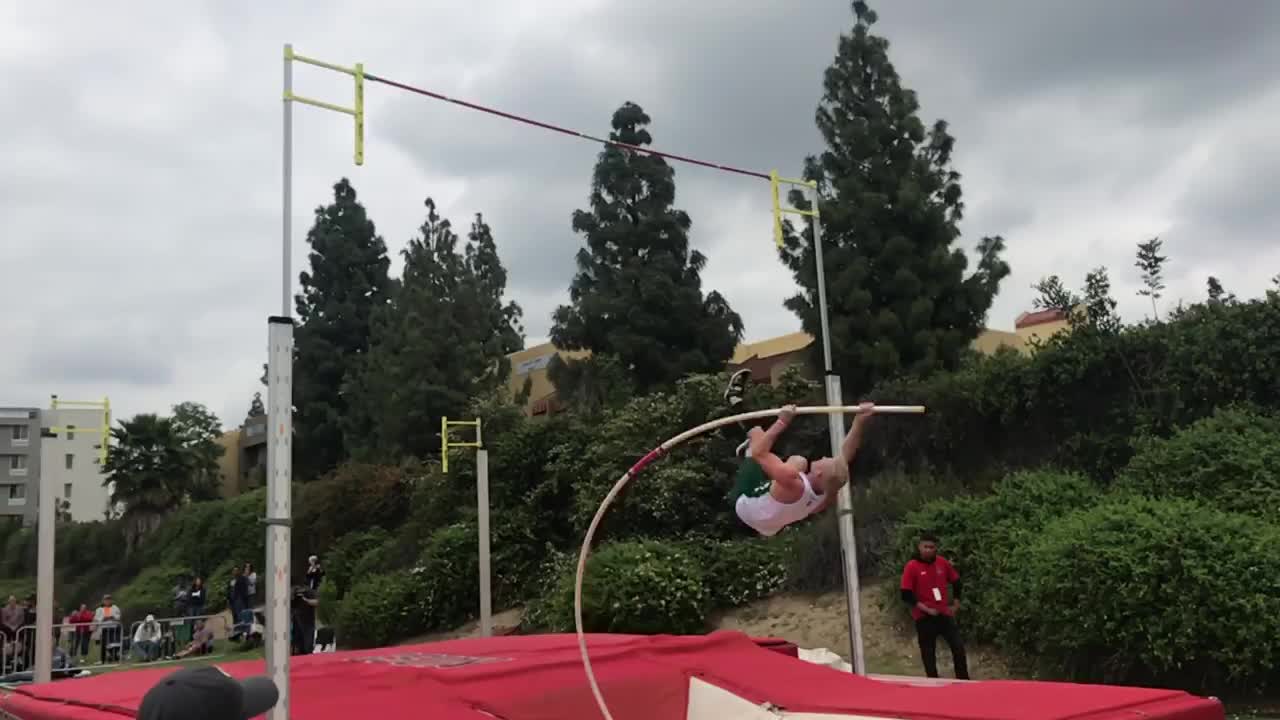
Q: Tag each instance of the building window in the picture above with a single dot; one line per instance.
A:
(21, 432)
(17, 464)
(71, 461)
(66, 490)
(17, 492)
(71, 432)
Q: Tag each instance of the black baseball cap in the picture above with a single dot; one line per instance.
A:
(208, 693)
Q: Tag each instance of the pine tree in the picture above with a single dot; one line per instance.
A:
(347, 281)
(1216, 292)
(637, 294)
(890, 205)
(1151, 263)
(443, 340)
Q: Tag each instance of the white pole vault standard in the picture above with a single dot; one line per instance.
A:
(47, 499)
(482, 524)
(279, 509)
(280, 431)
(644, 462)
(844, 499)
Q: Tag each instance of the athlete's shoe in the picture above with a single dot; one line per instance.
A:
(737, 387)
(742, 449)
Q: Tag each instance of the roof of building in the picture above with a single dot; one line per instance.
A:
(1039, 317)
(770, 347)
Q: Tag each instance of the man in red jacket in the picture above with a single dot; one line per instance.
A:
(928, 584)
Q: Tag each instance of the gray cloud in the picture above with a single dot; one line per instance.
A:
(140, 198)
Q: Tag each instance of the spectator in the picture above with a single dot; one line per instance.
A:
(925, 581)
(315, 573)
(303, 617)
(27, 635)
(239, 601)
(106, 620)
(181, 598)
(208, 693)
(196, 597)
(201, 642)
(251, 578)
(146, 640)
(82, 620)
(11, 618)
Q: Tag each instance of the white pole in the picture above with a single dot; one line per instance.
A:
(280, 433)
(279, 464)
(482, 493)
(47, 499)
(844, 504)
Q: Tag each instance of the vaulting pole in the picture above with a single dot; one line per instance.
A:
(657, 453)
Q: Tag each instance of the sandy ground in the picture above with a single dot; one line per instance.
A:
(811, 622)
(821, 621)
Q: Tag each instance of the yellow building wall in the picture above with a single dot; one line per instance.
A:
(229, 464)
(772, 356)
(1042, 331)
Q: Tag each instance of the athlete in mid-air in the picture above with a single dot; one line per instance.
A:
(771, 493)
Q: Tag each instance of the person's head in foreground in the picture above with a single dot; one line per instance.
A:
(208, 693)
(927, 548)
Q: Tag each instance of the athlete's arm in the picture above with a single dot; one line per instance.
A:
(762, 441)
(849, 448)
(779, 472)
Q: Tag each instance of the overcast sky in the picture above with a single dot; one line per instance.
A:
(140, 189)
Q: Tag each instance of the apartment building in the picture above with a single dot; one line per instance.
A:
(56, 447)
(19, 464)
(71, 461)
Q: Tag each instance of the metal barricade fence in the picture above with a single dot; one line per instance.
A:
(104, 644)
(177, 632)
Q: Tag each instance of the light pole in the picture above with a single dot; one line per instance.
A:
(280, 389)
(835, 421)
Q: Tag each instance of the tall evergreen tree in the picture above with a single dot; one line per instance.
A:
(443, 339)
(347, 281)
(890, 205)
(637, 294)
(1151, 263)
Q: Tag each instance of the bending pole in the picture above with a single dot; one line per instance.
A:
(644, 462)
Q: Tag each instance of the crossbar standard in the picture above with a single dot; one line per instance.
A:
(658, 453)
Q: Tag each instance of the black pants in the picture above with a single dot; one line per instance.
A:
(928, 629)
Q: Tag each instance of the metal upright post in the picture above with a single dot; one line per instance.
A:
(48, 499)
(844, 504)
(482, 497)
(280, 432)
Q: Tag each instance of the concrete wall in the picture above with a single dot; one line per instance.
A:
(19, 464)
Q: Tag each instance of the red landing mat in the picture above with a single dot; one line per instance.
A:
(540, 677)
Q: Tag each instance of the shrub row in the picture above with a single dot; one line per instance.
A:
(1167, 579)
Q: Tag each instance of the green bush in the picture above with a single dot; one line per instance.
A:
(740, 571)
(1230, 460)
(341, 559)
(643, 587)
(203, 535)
(1153, 592)
(151, 592)
(979, 534)
(354, 496)
(815, 562)
(448, 576)
(1076, 401)
(381, 609)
